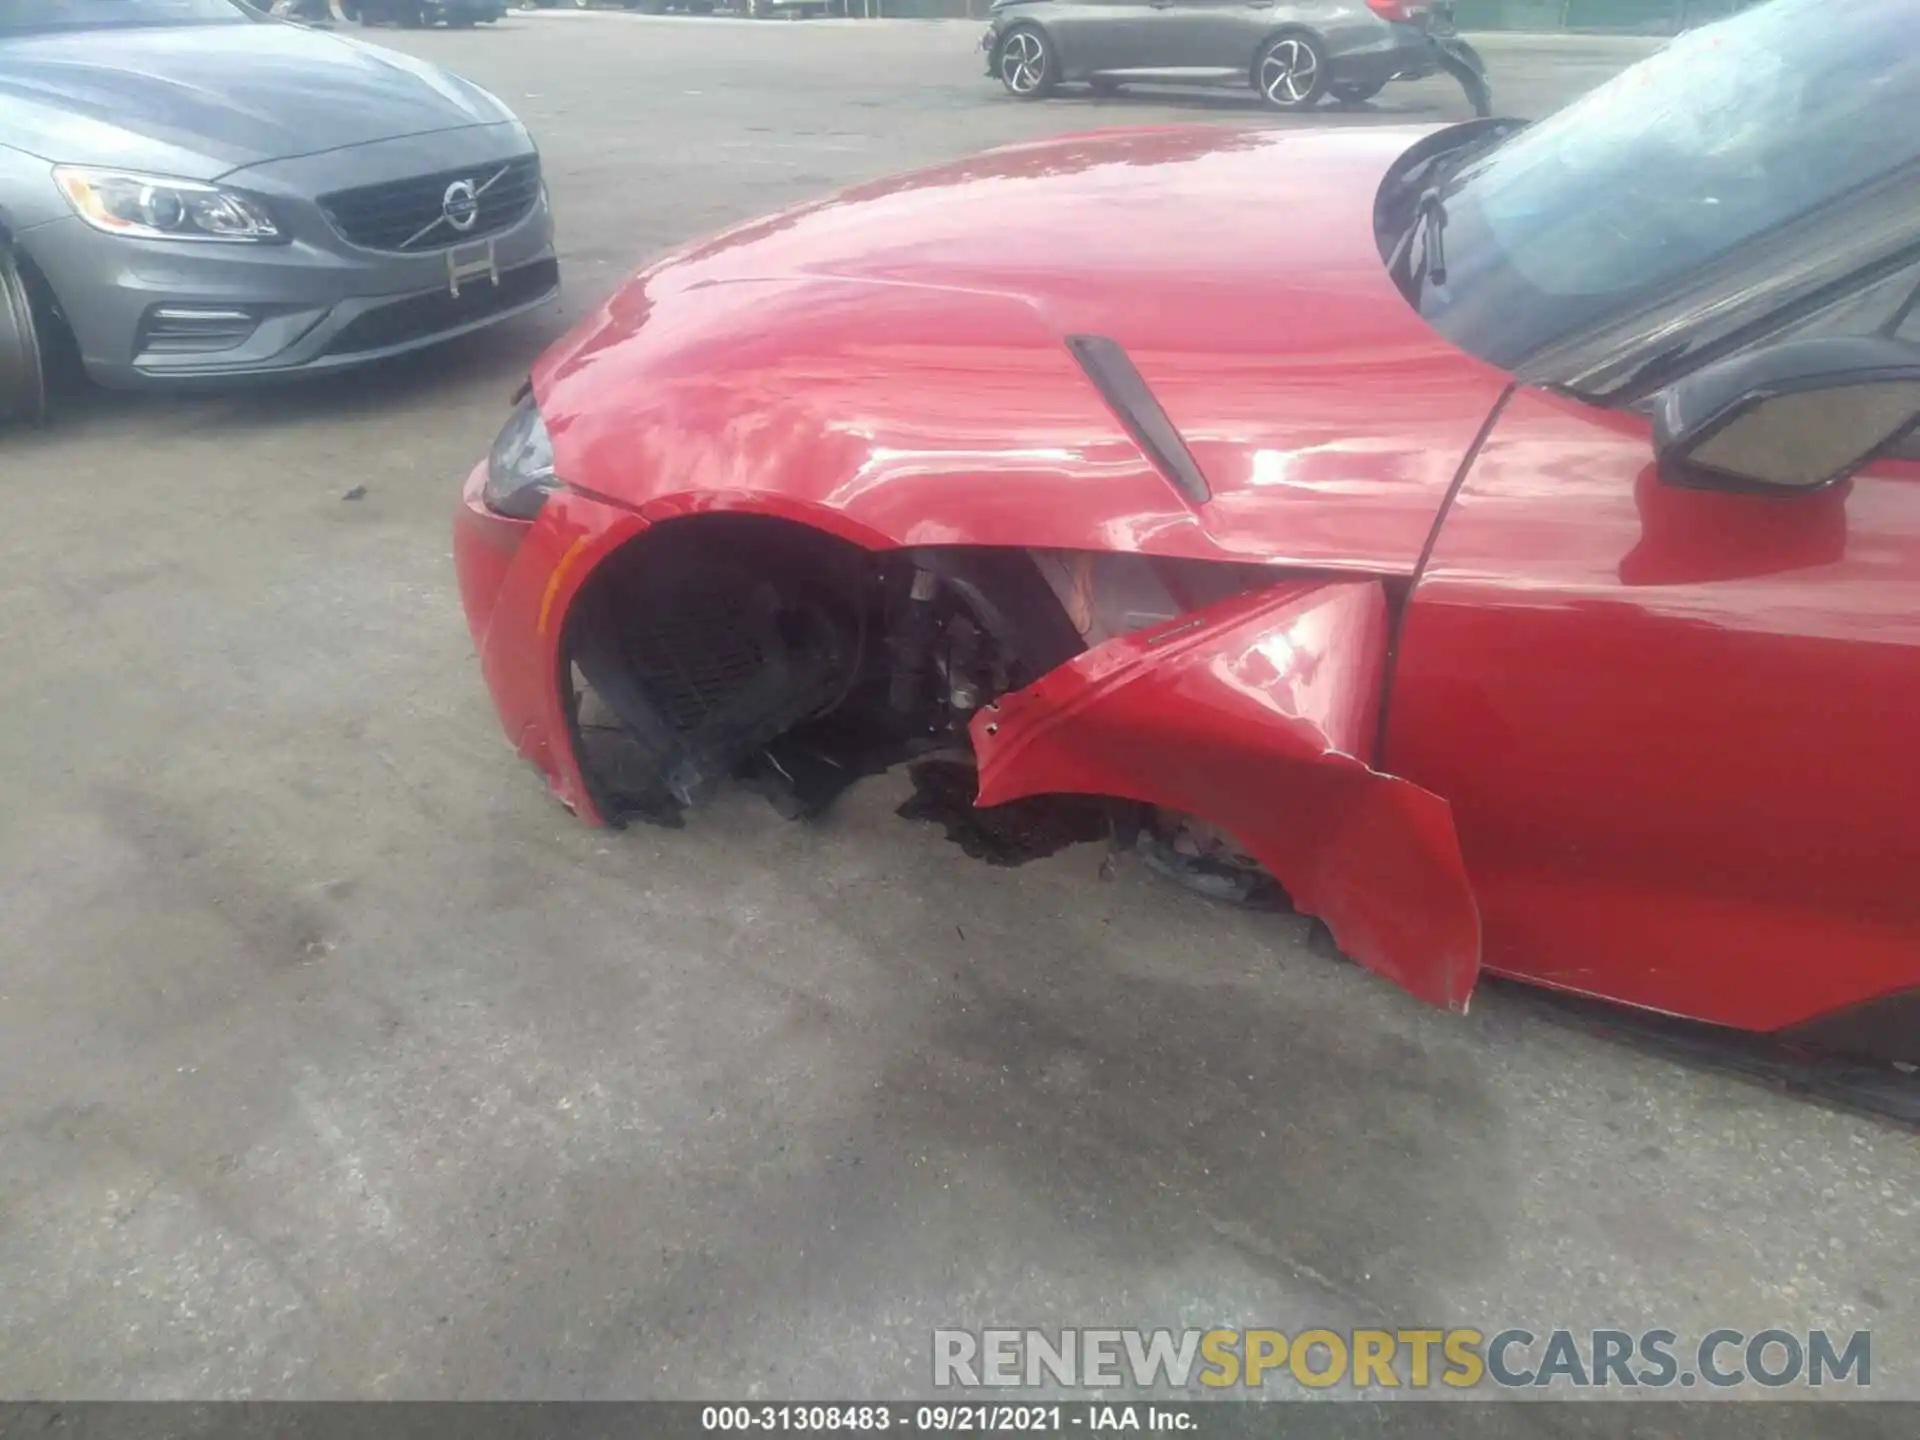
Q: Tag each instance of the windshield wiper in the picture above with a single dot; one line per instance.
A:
(1433, 173)
(1432, 213)
(1429, 227)
(1470, 140)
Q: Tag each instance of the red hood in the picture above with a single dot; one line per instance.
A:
(889, 362)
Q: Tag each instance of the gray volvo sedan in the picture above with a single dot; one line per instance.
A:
(192, 193)
(1292, 52)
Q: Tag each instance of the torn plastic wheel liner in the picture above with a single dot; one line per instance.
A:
(1258, 715)
(704, 660)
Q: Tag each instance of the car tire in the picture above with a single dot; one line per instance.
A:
(1291, 73)
(1355, 92)
(1026, 63)
(23, 369)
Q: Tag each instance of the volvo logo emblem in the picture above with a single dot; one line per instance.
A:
(461, 205)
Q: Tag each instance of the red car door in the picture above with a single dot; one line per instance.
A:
(1677, 728)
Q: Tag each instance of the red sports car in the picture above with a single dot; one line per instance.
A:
(1504, 537)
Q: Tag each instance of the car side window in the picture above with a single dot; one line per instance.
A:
(1908, 448)
(1890, 306)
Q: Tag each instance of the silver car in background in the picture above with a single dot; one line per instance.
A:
(1292, 52)
(193, 193)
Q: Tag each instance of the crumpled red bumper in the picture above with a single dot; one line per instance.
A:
(1255, 714)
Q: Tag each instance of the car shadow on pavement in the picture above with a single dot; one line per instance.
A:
(1419, 105)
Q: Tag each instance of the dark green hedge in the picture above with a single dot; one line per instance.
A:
(1621, 17)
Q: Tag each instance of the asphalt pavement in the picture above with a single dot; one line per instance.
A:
(337, 1060)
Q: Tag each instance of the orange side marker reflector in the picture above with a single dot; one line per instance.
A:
(555, 580)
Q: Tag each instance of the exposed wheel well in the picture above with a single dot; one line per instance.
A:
(710, 643)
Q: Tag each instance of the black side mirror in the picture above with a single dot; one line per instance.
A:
(1788, 418)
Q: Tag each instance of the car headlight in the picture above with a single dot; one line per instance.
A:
(153, 207)
(520, 465)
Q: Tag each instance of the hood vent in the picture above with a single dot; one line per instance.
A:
(1133, 404)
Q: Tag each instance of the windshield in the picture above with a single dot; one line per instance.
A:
(1728, 133)
(30, 17)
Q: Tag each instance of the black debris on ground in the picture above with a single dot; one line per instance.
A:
(1010, 834)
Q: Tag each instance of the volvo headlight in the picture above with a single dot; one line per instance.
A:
(520, 465)
(153, 207)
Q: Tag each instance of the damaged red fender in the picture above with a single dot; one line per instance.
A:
(1254, 714)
